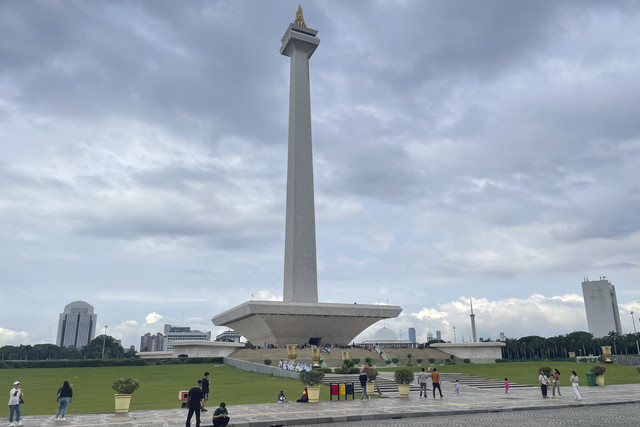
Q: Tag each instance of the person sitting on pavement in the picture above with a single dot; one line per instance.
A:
(305, 396)
(220, 416)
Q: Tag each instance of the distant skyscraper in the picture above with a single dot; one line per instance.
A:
(412, 335)
(150, 342)
(77, 325)
(601, 305)
(439, 335)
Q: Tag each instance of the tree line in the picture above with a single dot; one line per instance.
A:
(112, 350)
(581, 343)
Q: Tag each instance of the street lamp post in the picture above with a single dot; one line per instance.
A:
(104, 340)
(454, 334)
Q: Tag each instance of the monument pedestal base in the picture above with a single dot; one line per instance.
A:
(278, 322)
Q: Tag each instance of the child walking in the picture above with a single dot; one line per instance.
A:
(506, 385)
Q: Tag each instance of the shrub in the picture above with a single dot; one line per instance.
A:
(267, 361)
(598, 369)
(545, 369)
(419, 361)
(432, 361)
(356, 361)
(125, 385)
(467, 360)
(403, 376)
(394, 360)
(372, 374)
(311, 378)
(388, 362)
(368, 361)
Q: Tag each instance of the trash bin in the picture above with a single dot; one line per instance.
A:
(350, 391)
(591, 379)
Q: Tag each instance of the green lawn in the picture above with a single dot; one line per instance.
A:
(158, 390)
(160, 384)
(527, 372)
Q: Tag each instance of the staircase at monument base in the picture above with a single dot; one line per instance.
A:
(385, 385)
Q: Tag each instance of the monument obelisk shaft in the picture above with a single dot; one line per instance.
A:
(300, 270)
(300, 318)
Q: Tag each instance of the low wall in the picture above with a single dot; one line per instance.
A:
(476, 352)
(627, 359)
(260, 368)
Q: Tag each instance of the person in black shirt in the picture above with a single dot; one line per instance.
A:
(195, 396)
(205, 390)
(65, 393)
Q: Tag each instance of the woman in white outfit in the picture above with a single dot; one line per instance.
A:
(574, 383)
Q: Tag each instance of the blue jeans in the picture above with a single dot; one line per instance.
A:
(14, 408)
(62, 406)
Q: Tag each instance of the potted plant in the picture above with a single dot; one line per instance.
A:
(312, 380)
(372, 374)
(404, 378)
(124, 387)
(599, 370)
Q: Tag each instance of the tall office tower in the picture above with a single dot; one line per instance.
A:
(439, 335)
(150, 342)
(601, 305)
(77, 325)
(412, 335)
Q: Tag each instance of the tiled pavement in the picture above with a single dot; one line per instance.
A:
(470, 400)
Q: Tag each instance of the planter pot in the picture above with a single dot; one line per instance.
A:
(600, 380)
(314, 393)
(122, 403)
(403, 389)
(370, 385)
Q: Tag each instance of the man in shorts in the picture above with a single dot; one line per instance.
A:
(205, 390)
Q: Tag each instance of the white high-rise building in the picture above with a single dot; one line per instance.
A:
(77, 325)
(182, 333)
(601, 305)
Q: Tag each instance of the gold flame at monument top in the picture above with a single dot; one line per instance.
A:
(299, 17)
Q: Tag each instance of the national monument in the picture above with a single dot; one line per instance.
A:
(300, 318)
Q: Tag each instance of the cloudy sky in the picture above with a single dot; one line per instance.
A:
(462, 149)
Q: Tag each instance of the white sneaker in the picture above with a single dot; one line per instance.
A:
(19, 423)
(13, 424)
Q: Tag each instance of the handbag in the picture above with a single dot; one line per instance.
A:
(21, 401)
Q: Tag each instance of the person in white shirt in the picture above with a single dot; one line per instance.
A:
(15, 396)
(574, 383)
(544, 382)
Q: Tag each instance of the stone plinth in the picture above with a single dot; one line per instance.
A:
(278, 322)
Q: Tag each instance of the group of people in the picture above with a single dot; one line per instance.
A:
(435, 382)
(554, 380)
(16, 399)
(197, 400)
(292, 366)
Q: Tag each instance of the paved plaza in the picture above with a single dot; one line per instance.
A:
(472, 404)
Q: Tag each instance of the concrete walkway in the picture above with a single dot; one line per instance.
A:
(470, 400)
